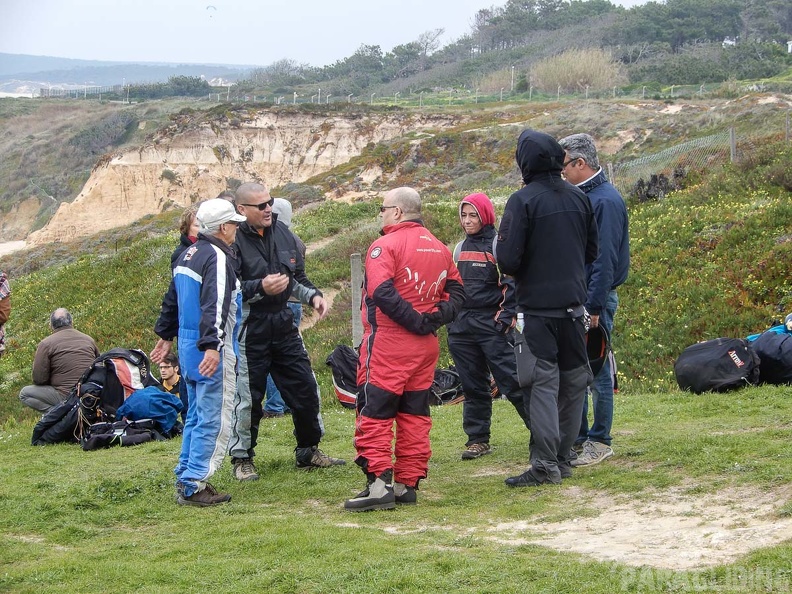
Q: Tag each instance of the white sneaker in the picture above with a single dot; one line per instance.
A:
(594, 452)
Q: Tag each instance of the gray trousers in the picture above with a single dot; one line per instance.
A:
(40, 398)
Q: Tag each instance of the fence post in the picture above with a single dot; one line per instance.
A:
(787, 127)
(733, 145)
(357, 286)
(610, 173)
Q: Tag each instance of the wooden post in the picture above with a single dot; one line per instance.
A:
(356, 265)
(733, 144)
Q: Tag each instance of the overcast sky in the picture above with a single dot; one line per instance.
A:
(317, 32)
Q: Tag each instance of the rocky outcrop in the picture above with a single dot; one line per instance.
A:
(194, 163)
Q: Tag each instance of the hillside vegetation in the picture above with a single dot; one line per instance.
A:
(710, 260)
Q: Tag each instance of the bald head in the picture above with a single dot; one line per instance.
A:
(407, 199)
(248, 190)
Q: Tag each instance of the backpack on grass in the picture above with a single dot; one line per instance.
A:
(717, 365)
(343, 363)
(100, 391)
(775, 352)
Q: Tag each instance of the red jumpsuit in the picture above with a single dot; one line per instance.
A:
(408, 272)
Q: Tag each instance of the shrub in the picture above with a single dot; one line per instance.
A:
(574, 70)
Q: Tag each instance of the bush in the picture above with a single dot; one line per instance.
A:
(574, 70)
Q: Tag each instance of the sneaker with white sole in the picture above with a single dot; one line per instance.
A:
(594, 452)
(476, 450)
(245, 470)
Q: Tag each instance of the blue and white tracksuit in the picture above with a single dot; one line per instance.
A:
(209, 304)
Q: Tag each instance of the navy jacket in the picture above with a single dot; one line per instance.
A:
(610, 268)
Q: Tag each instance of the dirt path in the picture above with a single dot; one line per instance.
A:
(670, 530)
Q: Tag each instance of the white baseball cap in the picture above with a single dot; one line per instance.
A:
(217, 211)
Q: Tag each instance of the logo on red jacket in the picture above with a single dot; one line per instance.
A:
(375, 252)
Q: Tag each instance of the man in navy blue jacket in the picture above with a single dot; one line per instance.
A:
(208, 299)
(604, 276)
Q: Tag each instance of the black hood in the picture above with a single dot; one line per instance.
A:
(538, 152)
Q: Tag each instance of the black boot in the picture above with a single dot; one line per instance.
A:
(378, 494)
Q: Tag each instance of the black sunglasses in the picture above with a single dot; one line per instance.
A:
(384, 208)
(261, 206)
(565, 165)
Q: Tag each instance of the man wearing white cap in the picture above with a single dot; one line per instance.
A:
(208, 301)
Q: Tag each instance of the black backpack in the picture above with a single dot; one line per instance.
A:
(343, 362)
(718, 365)
(775, 352)
(110, 379)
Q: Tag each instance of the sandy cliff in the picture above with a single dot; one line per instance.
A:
(183, 165)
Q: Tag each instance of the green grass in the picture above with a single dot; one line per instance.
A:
(93, 521)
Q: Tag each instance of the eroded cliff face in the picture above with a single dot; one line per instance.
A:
(17, 222)
(180, 167)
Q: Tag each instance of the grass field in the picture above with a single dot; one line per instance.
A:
(715, 465)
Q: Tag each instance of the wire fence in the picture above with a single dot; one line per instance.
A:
(652, 176)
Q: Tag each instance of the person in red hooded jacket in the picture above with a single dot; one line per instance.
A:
(411, 288)
(478, 338)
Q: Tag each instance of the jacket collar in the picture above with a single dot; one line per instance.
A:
(597, 179)
(403, 225)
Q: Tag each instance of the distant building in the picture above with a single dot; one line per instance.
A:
(789, 47)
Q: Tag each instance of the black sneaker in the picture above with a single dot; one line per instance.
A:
(404, 494)
(206, 497)
(313, 457)
(528, 479)
(378, 494)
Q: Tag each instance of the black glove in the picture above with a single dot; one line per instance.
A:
(446, 311)
(429, 324)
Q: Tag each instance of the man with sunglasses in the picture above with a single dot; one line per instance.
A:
(411, 287)
(605, 275)
(269, 343)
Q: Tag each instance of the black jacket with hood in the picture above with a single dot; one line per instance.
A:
(548, 232)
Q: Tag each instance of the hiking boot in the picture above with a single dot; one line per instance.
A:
(206, 497)
(245, 470)
(313, 457)
(528, 479)
(378, 494)
(594, 452)
(404, 494)
(476, 450)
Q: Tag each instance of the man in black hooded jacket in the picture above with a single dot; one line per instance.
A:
(547, 236)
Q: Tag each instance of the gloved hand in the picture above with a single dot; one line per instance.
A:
(446, 311)
(429, 324)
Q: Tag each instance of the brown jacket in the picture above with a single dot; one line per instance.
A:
(62, 358)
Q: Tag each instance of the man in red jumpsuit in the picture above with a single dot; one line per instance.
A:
(411, 288)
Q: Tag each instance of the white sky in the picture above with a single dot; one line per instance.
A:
(317, 32)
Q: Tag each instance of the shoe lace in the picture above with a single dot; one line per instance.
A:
(210, 489)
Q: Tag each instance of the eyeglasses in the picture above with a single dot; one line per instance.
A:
(261, 206)
(566, 164)
(384, 208)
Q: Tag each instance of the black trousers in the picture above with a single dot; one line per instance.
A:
(476, 354)
(557, 390)
(273, 345)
